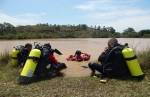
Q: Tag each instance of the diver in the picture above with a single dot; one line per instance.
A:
(19, 54)
(79, 56)
(23, 55)
(48, 64)
(40, 64)
(111, 62)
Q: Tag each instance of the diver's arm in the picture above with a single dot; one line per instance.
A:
(102, 56)
(57, 52)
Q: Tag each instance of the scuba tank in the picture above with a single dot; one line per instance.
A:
(30, 66)
(14, 55)
(132, 62)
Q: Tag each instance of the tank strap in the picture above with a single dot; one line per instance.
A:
(34, 58)
(131, 58)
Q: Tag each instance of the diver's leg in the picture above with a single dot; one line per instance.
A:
(95, 67)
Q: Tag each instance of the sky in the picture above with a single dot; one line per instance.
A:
(119, 14)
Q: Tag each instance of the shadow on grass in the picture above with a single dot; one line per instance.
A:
(24, 81)
(124, 78)
(48, 77)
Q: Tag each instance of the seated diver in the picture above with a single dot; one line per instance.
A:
(36, 66)
(112, 62)
(80, 56)
(48, 65)
(23, 55)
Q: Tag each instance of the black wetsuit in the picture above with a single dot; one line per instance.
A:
(22, 56)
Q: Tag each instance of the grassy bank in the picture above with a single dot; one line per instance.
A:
(144, 58)
(74, 87)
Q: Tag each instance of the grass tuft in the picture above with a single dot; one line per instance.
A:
(4, 58)
(144, 58)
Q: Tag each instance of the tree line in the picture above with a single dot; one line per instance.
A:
(9, 31)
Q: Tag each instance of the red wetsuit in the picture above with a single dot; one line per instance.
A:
(52, 59)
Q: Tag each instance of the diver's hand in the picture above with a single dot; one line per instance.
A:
(106, 48)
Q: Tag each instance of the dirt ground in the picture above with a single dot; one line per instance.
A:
(76, 69)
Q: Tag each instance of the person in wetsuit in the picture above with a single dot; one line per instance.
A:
(111, 62)
(48, 64)
(23, 55)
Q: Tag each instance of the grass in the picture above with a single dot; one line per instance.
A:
(4, 58)
(74, 87)
(144, 58)
(7, 72)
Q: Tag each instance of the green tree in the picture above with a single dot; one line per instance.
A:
(144, 33)
(111, 30)
(129, 32)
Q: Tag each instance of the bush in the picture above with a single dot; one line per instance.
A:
(4, 58)
(144, 58)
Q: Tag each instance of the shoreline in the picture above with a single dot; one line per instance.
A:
(73, 38)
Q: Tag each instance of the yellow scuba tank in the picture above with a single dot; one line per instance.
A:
(132, 62)
(31, 63)
(14, 57)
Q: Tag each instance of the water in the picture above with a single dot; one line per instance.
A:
(68, 46)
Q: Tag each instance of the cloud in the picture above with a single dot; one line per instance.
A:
(138, 22)
(91, 5)
(116, 13)
(22, 19)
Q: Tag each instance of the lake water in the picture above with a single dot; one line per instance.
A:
(92, 46)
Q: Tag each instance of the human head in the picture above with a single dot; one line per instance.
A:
(28, 46)
(112, 42)
(47, 45)
(78, 52)
(126, 44)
